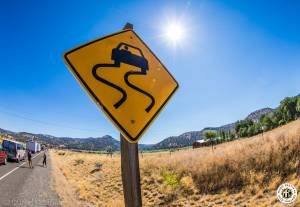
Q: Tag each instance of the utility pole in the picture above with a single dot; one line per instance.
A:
(130, 167)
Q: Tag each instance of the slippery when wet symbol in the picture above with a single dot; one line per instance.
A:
(125, 79)
(119, 55)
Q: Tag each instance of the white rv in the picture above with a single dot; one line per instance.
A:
(33, 146)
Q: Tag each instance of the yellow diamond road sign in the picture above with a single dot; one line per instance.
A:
(125, 79)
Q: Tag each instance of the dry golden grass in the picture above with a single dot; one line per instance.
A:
(244, 172)
(95, 178)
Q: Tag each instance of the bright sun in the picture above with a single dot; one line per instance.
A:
(174, 32)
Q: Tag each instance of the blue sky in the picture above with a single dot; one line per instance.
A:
(236, 57)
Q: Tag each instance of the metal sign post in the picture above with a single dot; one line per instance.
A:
(130, 167)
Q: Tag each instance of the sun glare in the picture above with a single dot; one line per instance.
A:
(174, 33)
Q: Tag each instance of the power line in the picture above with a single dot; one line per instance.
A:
(47, 123)
(12, 114)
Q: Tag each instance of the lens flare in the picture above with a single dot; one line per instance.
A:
(174, 32)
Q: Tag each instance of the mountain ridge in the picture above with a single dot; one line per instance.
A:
(107, 141)
(187, 138)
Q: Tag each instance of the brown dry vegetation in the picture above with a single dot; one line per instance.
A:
(244, 172)
(94, 179)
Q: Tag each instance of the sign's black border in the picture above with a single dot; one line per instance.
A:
(133, 139)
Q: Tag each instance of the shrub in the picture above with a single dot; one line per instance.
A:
(78, 162)
(171, 179)
(98, 166)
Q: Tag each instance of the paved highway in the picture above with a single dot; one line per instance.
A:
(22, 186)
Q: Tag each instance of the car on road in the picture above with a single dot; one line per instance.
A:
(15, 150)
(3, 155)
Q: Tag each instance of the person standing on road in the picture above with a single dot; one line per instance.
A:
(45, 160)
(29, 156)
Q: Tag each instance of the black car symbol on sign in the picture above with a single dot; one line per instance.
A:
(125, 56)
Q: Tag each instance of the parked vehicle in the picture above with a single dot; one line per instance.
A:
(34, 147)
(39, 147)
(3, 155)
(15, 150)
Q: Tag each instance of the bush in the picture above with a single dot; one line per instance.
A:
(98, 166)
(78, 162)
(171, 179)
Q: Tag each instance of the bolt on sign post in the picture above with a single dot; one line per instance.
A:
(130, 85)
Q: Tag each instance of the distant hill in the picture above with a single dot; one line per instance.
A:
(255, 116)
(90, 143)
(187, 139)
(102, 143)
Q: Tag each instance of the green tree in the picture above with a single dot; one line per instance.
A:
(298, 106)
(278, 118)
(251, 130)
(257, 128)
(222, 135)
(242, 127)
(230, 135)
(288, 109)
(210, 135)
(266, 122)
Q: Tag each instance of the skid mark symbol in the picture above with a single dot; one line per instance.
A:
(124, 56)
(138, 89)
(124, 94)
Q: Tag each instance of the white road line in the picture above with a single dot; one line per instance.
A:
(17, 168)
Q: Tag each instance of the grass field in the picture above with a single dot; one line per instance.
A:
(245, 172)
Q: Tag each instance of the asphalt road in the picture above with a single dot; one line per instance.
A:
(22, 186)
